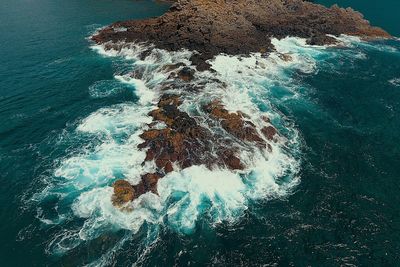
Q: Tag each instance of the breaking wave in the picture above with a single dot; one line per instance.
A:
(256, 85)
(395, 82)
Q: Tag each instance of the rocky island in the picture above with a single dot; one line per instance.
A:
(213, 27)
(236, 27)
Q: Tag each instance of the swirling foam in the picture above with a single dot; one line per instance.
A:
(254, 84)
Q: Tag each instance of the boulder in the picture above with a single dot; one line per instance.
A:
(186, 74)
(123, 192)
(269, 132)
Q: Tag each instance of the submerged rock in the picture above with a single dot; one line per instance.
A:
(285, 57)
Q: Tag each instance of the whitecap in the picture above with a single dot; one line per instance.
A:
(395, 82)
(105, 88)
(146, 96)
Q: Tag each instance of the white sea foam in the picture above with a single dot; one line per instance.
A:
(263, 168)
(395, 82)
(95, 205)
(246, 84)
(120, 29)
(146, 96)
(130, 51)
(105, 88)
(354, 42)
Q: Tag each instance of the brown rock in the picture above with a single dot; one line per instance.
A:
(147, 184)
(234, 123)
(232, 162)
(186, 74)
(150, 134)
(269, 132)
(150, 154)
(169, 100)
(239, 26)
(168, 167)
(123, 192)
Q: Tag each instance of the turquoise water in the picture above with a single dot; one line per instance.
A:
(346, 111)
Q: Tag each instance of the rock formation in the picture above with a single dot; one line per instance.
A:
(183, 143)
(211, 27)
(235, 27)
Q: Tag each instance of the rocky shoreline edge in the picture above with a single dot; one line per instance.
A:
(210, 28)
(239, 26)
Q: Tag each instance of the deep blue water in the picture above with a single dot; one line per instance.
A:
(344, 211)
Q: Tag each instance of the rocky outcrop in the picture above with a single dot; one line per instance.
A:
(123, 192)
(184, 143)
(239, 26)
(211, 27)
(234, 123)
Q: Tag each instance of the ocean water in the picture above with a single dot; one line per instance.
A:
(71, 115)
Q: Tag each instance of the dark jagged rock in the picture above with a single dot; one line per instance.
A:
(269, 132)
(239, 26)
(148, 183)
(186, 74)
